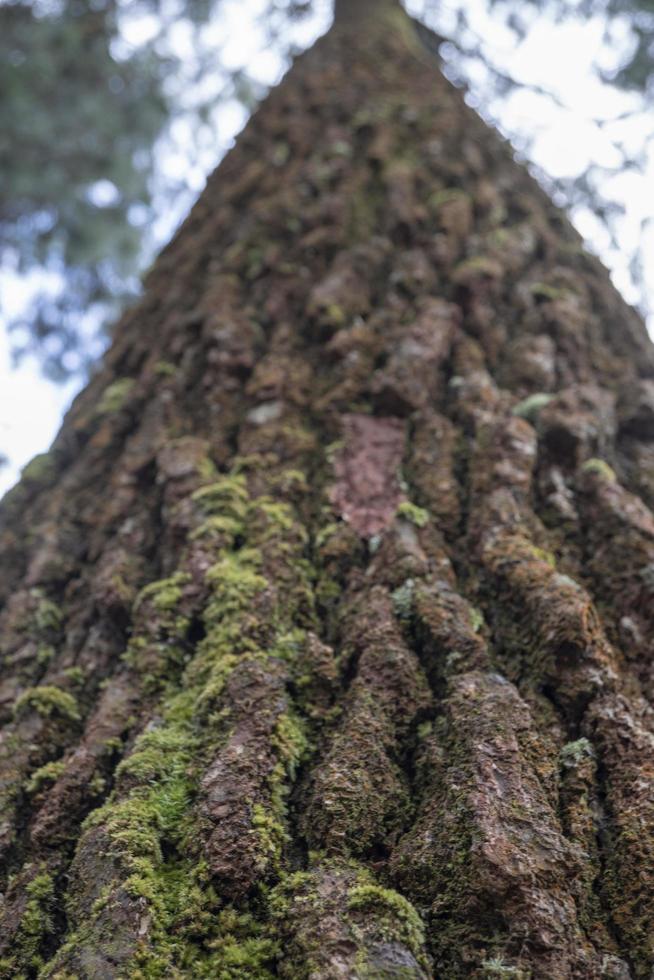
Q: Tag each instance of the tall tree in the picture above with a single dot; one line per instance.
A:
(102, 92)
(327, 619)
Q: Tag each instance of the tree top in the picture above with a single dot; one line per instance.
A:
(348, 10)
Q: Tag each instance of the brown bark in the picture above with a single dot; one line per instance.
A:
(348, 10)
(326, 622)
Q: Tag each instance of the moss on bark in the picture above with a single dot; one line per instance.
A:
(325, 624)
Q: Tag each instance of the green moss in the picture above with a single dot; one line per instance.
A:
(44, 654)
(47, 616)
(217, 664)
(149, 826)
(291, 481)
(325, 533)
(476, 619)
(165, 594)
(206, 469)
(190, 935)
(115, 396)
(542, 290)
(47, 701)
(75, 675)
(40, 469)
(49, 773)
(218, 526)
(149, 761)
(227, 496)
(289, 646)
(410, 512)
(165, 369)
(244, 950)
(575, 753)
(279, 516)
(150, 823)
(496, 967)
(600, 468)
(271, 836)
(425, 729)
(157, 645)
(112, 745)
(290, 742)
(35, 925)
(235, 581)
(156, 807)
(402, 920)
(336, 315)
(195, 937)
(237, 959)
(36, 919)
(542, 555)
(445, 196)
(478, 265)
(363, 915)
(531, 407)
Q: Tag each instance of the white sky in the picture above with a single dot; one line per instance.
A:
(565, 141)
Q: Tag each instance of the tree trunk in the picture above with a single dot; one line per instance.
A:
(327, 621)
(347, 10)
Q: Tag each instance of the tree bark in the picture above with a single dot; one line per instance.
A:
(326, 622)
(346, 11)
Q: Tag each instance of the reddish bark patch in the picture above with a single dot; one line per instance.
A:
(367, 491)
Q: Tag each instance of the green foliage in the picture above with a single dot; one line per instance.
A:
(78, 126)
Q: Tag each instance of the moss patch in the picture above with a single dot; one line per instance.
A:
(49, 773)
(40, 469)
(115, 396)
(35, 925)
(531, 407)
(410, 512)
(600, 468)
(48, 701)
(403, 922)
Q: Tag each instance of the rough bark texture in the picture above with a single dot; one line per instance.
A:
(348, 9)
(327, 621)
